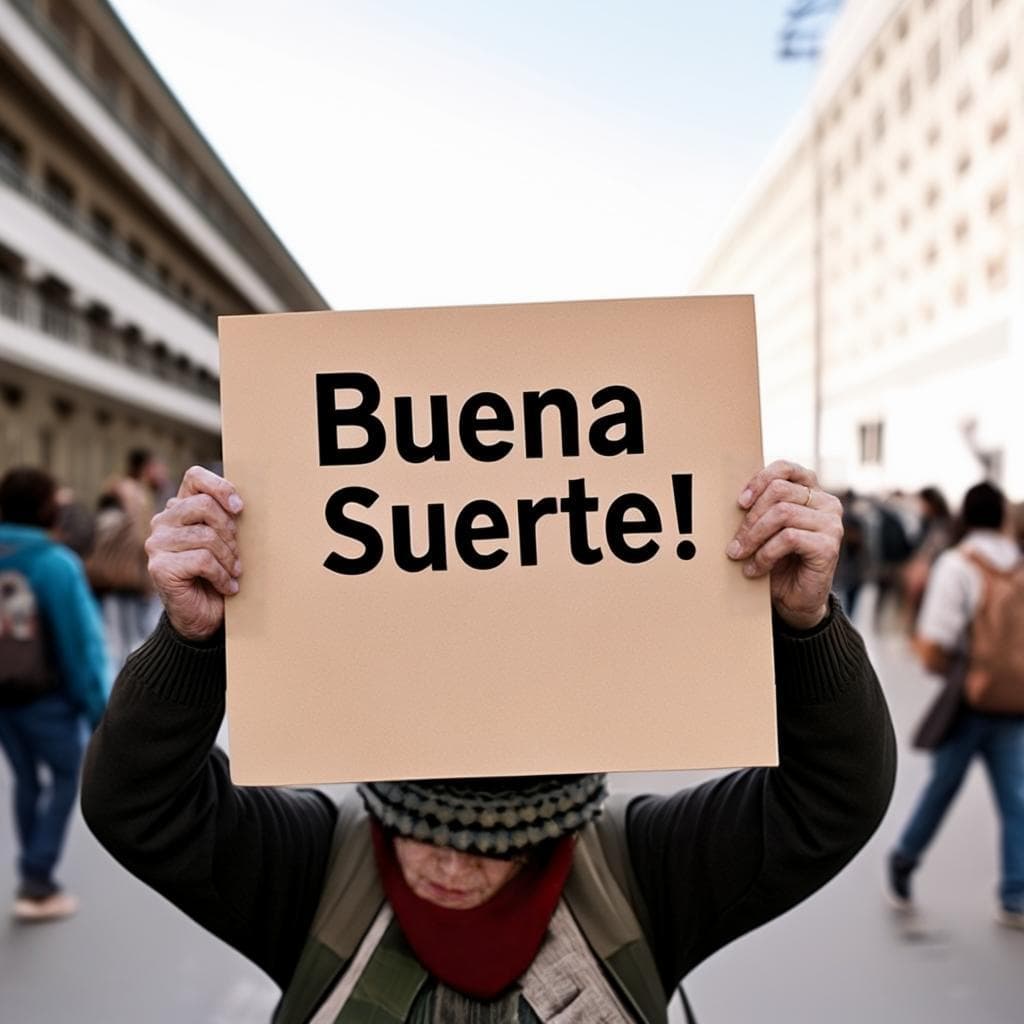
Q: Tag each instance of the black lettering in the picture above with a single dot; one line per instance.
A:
(534, 404)
(436, 556)
(439, 445)
(577, 504)
(329, 418)
(363, 533)
(466, 534)
(630, 418)
(471, 422)
(529, 513)
(617, 527)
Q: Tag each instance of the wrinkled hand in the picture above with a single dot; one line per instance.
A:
(193, 553)
(792, 530)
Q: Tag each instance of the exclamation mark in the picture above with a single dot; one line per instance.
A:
(682, 490)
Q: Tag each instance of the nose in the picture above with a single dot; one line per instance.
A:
(448, 862)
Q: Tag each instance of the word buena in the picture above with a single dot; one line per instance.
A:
(631, 520)
(482, 413)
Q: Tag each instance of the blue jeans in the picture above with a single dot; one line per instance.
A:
(46, 733)
(1000, 743)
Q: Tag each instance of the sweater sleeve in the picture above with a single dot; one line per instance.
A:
(721, 859)
(246, 863)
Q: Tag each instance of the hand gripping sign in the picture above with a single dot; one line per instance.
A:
(490, 541)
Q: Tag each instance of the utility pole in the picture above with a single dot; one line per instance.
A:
(800, 39)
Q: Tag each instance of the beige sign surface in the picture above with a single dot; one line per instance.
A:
(490, 541)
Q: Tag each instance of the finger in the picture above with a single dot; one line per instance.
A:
(188, 538)
(170, 568)
(196, 509)
(818, 550)
(198, 480)
(758, 530)
(780, 470)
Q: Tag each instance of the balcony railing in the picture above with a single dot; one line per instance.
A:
(14, 175)
(27, 305)
(111, 98)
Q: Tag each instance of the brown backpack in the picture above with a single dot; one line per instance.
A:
(995, 674)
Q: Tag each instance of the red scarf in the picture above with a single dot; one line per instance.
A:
(478, 952)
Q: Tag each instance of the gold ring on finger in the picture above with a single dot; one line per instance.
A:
(810, 494)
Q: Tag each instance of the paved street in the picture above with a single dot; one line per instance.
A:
(841, 958)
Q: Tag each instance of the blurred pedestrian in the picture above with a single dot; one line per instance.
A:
(935, 535)
(75, 525)
(975, 590)
(53, 673)
(117, 565)
(854, 556)
(895, 528)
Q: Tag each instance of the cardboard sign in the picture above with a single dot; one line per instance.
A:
(491, 541)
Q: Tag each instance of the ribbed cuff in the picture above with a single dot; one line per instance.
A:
(817, 666)
(184, 671)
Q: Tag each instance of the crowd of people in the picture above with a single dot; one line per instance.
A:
(75, 600)
(78, 595)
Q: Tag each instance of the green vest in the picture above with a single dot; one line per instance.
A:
(600, 892)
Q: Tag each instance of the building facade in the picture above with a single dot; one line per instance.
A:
(122, 238)
(884, 244)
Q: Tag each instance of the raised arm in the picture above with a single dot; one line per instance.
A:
(246, 863)
(721, 859)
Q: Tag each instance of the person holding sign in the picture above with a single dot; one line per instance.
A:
(505, 900)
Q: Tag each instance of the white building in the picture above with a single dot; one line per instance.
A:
(122, 237)
(884, 242)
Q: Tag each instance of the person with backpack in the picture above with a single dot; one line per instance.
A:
(53, 674)
(971, 630)
(493, 899)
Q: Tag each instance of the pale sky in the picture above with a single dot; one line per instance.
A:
(447, 152)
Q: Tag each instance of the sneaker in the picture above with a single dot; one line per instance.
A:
(1010, 918)
(57, 905)
(898, 883)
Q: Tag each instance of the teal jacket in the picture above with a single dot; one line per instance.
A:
(69, 610)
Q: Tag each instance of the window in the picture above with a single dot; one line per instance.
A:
(902, 28)
(960, 230)
(64, 23)
(931, 195)
(998, 129)
(102, 227)
(879, 124)
(997, 202)
(934, 134)
(106, 72)
(872, 443)
(933, 63)
(965, 22)
(964, 99)
(136, 254)
(995, 272)
(59, 195)
(906, 94)
(999, 60)
(12, 156)
(963, 163)
(904, 162)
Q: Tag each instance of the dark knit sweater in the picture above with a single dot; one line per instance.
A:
(713, 861)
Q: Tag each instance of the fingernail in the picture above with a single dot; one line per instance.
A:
(233, 586)
(749, 569)
(734, 549)
(237, 568)
(235, 503)
(746, 498)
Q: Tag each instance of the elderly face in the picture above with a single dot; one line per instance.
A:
(449, 878)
